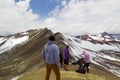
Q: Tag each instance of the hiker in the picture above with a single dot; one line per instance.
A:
(86, 58)
(66, 56)
(50, 54)
(83, 63)
(81, 68)
(80, 62)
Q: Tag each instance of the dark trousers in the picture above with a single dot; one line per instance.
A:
(86, 66)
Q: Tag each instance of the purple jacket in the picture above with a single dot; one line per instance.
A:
(86, 57)
(66, 53)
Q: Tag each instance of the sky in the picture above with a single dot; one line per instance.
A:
(65, 16)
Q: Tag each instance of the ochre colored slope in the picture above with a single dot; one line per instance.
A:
(65, 75)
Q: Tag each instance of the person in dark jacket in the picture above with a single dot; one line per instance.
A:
(66, 56)
(50, 54)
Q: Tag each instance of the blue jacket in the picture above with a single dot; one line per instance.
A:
(50, 53)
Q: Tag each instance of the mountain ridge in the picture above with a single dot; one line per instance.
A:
(26, 56)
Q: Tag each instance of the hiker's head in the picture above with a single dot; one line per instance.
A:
(84, 53)
(51, 38)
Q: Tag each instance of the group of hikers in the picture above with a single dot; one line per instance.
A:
(54, 59)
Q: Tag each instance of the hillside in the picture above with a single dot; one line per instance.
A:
(95, 74)
(23, 57)
(21, 53)
(69, 75)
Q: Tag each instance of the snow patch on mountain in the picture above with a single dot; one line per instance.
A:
(11, 42)
(77, 46)
(97, 47)
(2, 40)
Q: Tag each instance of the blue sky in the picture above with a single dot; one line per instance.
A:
(65, 16)
(43, 7)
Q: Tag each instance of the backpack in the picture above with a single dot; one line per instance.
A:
(81, 70)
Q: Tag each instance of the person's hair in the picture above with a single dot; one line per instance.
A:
(51, 38)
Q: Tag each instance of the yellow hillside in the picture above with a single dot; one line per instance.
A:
(65, 75)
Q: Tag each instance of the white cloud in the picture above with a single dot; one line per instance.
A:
(64, 2)
(86, 16)
(16, 16)
(73, 17)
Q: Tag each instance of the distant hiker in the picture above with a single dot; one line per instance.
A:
(50, 54)
(80, 62)
(86, 58)
(83, 63)
(81, 68)
(66, 56)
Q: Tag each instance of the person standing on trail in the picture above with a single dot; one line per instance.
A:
(86, 58)
(66, 56)
(50, 54)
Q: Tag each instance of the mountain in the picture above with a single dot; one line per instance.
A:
(104, 49)
(21, 53)
(24, 56)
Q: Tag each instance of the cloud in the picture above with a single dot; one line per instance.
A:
(17, 16)
(64, 2)
(85, 16)
(71, 16)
